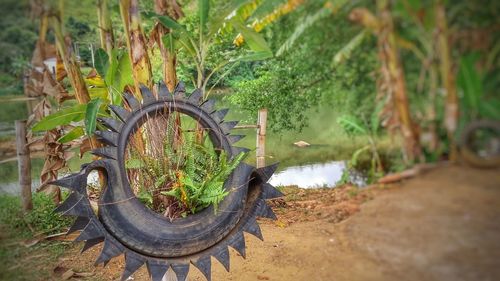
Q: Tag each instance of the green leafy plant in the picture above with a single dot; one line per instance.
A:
(105, 88)
(42, 219)
(18, 228)
(115, 73)
(475, 102)
(354, 126)
(193, 174)
(197, 40)
(197, 191)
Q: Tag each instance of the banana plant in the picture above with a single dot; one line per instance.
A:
(101, 87)
(475, 104)
(329, 7)
(106, 34)
(263, 13)
(136, 44)
(172, 9)
(113, 75)
(197, 43)
(105, 86)
(448, 76)
(355, 127)
(86, 108)
(392, 83)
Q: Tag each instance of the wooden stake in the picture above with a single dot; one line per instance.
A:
(261, 138)
(24, 165)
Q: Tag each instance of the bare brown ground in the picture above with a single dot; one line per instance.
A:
(443, 225)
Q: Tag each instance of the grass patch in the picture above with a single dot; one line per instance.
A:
(41, 220)
(19, 260)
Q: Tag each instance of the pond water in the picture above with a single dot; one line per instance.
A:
(9, 112)
(315, 175)
(12, 188)
(298, 166)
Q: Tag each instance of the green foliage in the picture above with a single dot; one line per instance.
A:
(203, 10)
(202, 183)
(273, 91)
(17, 228)
(475, 104)
(346, 52)
(17, 37)
(101, 62)
(353, 162)
(19, 32)
(75, 113)
(194, 39)
(91, 113)
(114, 75)
(41, 219)
(61, 117)
(255, 41)
(352, 125)
(194, 174)
(74, 134)
(300, 77)
(307, 22)
(79, 28)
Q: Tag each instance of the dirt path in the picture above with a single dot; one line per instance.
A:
(444, 225)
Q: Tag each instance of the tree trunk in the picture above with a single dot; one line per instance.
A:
(63, 44)
(394, 81)
(447, 78)
(172, 9)
(137, 47)
(72, 67)
(105, 27)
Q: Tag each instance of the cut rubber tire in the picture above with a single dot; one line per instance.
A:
(126, 226)
(468, 154)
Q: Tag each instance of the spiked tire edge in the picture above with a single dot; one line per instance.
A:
(96, 229)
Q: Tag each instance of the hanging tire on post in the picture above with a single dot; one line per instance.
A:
(126, 226)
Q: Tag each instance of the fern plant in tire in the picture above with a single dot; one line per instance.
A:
(125, 225)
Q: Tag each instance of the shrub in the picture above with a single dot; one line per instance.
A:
(41, 219)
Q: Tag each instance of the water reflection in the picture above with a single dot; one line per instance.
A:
(306, 176)
(327, 145)
(315, 175)
(9, 182)
(10, 111)
(13, 188)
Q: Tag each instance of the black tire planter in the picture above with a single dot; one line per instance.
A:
(126, 226)
(468, 154)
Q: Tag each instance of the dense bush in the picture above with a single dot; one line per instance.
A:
(304, 76)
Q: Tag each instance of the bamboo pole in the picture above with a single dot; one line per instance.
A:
(261, 138)
(24, 165)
